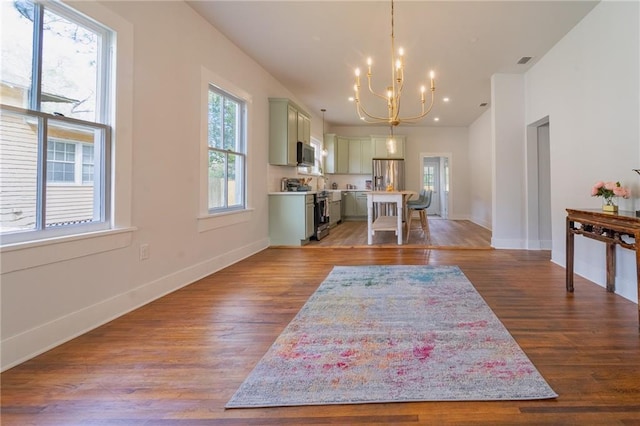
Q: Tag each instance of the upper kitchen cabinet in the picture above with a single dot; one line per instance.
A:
(330, 158)
(360, 155)
(304, 128)
(382, 150)
(348, 155)
(342, 155)
(288, 124)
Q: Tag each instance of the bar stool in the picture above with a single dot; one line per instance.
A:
(420, 205)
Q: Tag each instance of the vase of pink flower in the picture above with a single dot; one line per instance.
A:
(609, 191)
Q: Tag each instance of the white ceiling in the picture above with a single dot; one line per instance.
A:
(313, 47)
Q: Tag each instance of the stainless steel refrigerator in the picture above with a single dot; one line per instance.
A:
(387, 172)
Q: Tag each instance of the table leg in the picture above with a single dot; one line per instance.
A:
(399, 216)
(611, 268)
(637, 249)
(569, 256)
(369, 223)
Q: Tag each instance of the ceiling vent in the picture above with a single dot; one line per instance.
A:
(524, 60)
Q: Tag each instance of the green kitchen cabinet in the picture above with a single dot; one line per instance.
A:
(342, 155)
(381, 149)
(355, 205)
(288, 124)
(291, 218)
(330, 159)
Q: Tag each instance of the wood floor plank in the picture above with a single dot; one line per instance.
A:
(179, 359)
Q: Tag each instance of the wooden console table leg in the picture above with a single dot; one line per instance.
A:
(569, 256)
(637, 249)
(611, 268)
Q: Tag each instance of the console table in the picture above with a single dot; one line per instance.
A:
(610, 228)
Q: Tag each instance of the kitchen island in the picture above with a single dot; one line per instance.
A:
(384, 223)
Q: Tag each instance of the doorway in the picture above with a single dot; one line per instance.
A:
(434, 175)
(539, 185)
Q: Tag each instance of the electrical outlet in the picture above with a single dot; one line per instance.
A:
(144, 251)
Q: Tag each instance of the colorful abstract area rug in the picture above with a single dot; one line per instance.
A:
(392, 334)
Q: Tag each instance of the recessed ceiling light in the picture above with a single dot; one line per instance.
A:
(436, 118)
(445, 99)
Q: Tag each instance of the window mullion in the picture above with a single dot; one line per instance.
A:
(226, 180)
(41, 178)
(36, 63)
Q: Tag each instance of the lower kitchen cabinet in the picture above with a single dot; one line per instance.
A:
(335, 213)
(291, 218)
(355, 205)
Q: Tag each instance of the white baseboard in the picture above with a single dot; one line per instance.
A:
(508, 244)
(19, 348)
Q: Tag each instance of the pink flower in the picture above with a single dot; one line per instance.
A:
(622, 192)
(609, 190)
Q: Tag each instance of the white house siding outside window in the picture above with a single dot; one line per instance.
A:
(55, 134)
(226, 121)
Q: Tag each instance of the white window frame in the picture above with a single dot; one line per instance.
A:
(102, 219)
(207, 220)
(30, 254)
(240, 153)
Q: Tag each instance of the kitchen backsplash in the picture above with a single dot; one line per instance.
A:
(276, 173)
(360, 181)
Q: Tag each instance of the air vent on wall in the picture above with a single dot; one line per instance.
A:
(524, 60)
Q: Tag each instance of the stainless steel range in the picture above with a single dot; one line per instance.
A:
(322, 215)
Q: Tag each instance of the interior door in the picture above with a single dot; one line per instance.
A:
(431, 180)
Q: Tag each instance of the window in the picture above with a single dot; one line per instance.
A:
(55, 135)
(317, 145)
(61, 159)
(226, 124)
(429, 177)
(69, 162)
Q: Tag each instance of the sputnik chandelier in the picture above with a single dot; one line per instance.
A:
(394, 91)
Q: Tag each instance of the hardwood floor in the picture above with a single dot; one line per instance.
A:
(178, 360)
(451, 234)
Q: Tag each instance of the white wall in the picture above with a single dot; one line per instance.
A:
(437, 140)
(508, 131)
(47, 299)
(588, 86)
(480, 170)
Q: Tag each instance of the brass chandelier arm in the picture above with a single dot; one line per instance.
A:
(391, 120)
(373, 91)
(367, 117)
(423, 113)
